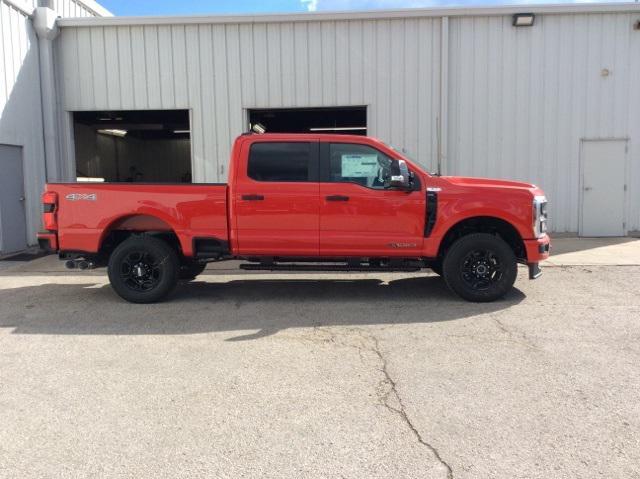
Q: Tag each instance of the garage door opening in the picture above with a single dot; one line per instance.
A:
(341, 120)
(133, 146)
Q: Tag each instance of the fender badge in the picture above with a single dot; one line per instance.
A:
(81, 197)
(403, 245)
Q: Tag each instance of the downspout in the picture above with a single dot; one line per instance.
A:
(442, 123)
(44, 23)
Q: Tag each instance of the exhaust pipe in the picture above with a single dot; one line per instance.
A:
(80, 264)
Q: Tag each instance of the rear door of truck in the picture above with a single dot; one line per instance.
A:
(276, 197)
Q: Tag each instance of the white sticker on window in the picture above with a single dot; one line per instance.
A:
(359, 166)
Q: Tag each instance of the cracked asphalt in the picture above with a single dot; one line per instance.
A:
(323, 375)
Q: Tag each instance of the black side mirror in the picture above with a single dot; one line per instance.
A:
(401, 179)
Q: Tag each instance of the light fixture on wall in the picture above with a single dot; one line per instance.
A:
(258, 128)
(523, 19)
(113, 132)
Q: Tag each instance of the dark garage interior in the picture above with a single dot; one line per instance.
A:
(133, 146)
(341, 120)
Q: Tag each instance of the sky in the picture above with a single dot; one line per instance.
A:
(185, 7)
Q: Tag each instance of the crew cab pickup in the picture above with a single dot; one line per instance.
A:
(307, 203)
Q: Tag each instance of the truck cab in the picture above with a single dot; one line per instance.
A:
(305, 202)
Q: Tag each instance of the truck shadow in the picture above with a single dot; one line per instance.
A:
(254, 307)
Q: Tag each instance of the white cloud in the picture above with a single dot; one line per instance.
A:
(312, 5)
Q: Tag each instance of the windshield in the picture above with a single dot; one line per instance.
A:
(408, 156)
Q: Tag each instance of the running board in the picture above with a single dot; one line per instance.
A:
(326, 267)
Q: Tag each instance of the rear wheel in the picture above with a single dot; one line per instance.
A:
(480, 267)
(143, 269)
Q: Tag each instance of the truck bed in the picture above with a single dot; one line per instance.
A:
(86, 212)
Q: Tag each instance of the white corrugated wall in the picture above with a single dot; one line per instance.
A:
(519, 99)
(78, 8)
(20, 98)
(20, 107)
(219, 71)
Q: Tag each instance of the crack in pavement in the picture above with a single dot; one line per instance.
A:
(401, 410)
(524, 339)
(370, 342)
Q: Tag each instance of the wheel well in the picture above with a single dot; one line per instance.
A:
(137, 225)
(484, 224)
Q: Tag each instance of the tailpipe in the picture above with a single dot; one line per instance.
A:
(80, 264)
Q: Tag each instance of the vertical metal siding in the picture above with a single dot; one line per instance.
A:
(72, 8)
(522, 99)
(218, 71)
(20, 100)
(20, 107)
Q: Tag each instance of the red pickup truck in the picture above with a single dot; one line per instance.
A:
(306, 203)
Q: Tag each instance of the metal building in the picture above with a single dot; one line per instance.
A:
(551, 97)
(22, 148)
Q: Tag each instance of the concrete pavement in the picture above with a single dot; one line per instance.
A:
(356, 376)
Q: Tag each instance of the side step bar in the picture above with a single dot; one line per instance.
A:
(326, 267)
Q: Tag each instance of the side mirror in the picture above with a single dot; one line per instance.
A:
(401, 179)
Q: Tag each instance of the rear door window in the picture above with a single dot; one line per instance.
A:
(283, 162)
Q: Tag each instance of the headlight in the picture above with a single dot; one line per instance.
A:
(539, 216)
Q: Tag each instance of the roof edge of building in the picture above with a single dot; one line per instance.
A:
(96, 8)
(352, 15)
(91, 5)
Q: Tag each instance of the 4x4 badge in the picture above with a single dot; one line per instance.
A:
(81, 197)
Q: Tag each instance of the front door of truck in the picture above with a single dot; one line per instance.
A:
(359, 214)
(276, 199)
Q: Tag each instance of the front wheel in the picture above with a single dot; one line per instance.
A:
(480, 267)
(143, 269)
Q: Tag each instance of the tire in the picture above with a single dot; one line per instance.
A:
(190, 270)
(143, 269)
(480, 267)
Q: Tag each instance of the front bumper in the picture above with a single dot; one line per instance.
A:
(48, 241)
(537, 250)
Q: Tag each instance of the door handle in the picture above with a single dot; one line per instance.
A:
(252, 197)
(337, 198)
(588, 188)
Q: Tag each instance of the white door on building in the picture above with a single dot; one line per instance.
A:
(603, 187)
(13, 230)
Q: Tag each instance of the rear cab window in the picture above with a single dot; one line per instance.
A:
(283, 162)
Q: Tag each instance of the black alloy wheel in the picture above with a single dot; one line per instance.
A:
(143, 269)
(480, 267)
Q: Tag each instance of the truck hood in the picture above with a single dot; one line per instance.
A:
(488, 182)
